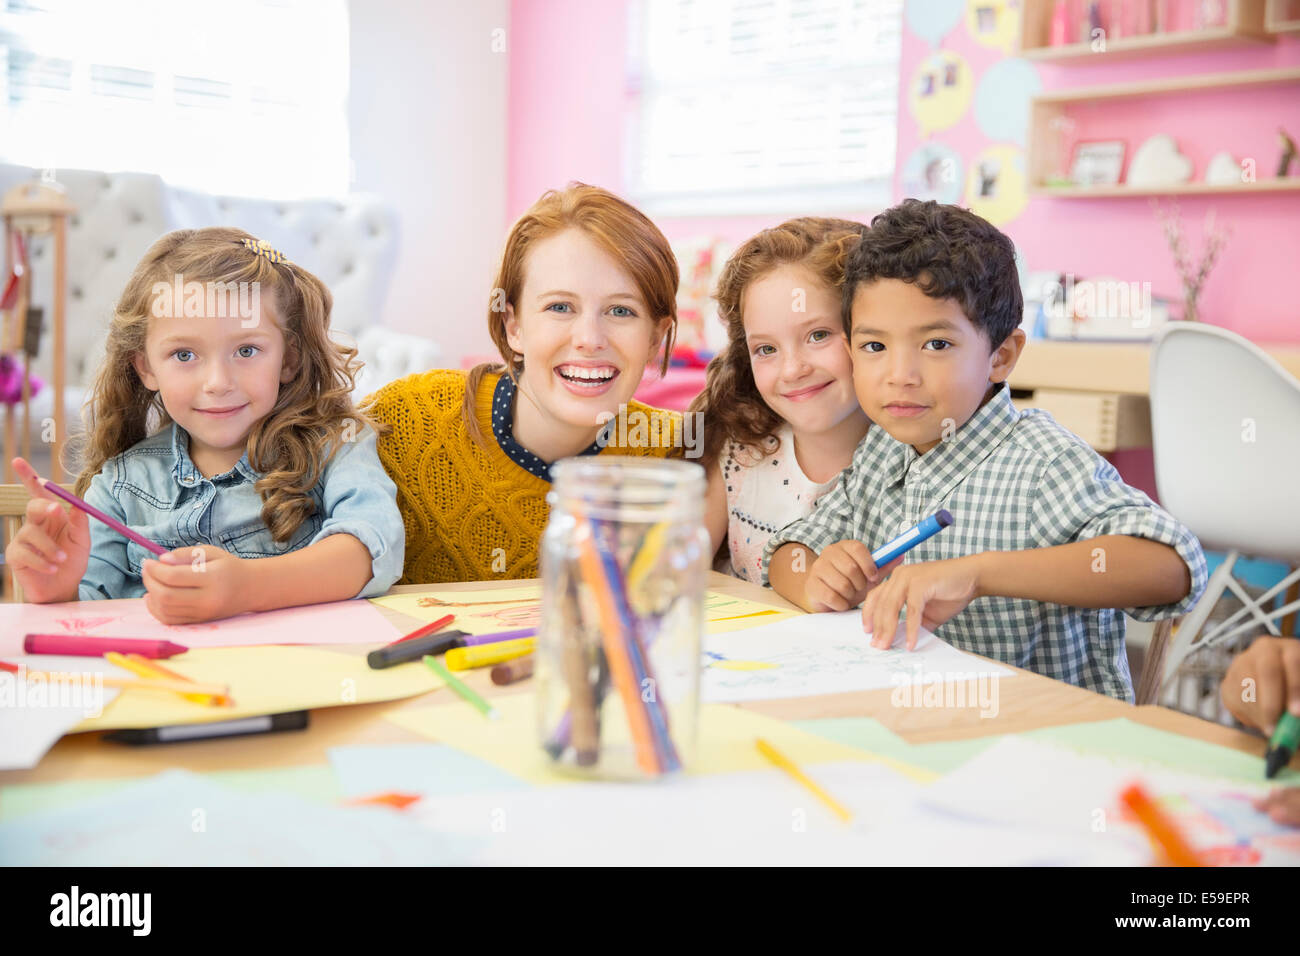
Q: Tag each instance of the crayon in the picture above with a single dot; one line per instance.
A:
(511, 671)
(79, 645)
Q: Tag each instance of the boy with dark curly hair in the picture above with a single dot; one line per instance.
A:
(1048, 543)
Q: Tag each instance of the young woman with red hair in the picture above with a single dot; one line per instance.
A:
(584, 298)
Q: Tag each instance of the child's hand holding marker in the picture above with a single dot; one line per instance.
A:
(940, 587)
(842, 576)
(195, 583)
(49, 553)
(1263, 681)
(1261, 687)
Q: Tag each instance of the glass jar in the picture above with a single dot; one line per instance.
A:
(625, 557)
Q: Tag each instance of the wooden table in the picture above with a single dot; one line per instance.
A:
(1026, 702)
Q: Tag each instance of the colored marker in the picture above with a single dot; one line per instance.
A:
(909, 539)
(1282, 745)
(404, 651)
(466, 658)
(264, 724)
(1159, 828)
(78, 645)
(512, 671)
(461, 688)
(472, 640)
(94, 512)
(790, 767)
(431, 628)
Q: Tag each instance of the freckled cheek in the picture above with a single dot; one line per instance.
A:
(765, 380)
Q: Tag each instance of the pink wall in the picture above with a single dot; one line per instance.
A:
(1121, 237)
(567, 97)
(569, 105)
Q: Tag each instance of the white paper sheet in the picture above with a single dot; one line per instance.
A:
(1052, 791)
(828, 654)
(35, 714)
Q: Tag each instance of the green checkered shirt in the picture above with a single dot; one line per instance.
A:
(1013, 480)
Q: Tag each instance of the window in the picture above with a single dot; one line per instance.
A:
(763, 105)
(245, 97)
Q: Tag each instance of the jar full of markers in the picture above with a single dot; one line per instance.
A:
(625, 558)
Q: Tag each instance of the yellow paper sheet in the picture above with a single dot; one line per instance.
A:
(723, 613)
(477, 612)
(725, 742)
(264, 680)
(485, 612)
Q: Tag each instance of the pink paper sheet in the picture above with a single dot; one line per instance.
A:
(341, 622)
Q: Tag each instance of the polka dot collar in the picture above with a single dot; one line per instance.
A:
(503, 420)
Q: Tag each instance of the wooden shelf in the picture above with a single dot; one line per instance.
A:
(1047, 109)
(1244, 25)
(1180, 84)
(1181, 189)
(1283, 16)
(1199, 41)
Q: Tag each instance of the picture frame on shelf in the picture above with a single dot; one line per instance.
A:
(1097, 162)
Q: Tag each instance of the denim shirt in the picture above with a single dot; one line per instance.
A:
(155, 489)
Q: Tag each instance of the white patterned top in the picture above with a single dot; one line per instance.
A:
(763, 496)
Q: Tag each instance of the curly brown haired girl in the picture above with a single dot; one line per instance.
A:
(220, 426)
(780, 416)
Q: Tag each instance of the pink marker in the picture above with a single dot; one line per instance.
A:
(94, 512)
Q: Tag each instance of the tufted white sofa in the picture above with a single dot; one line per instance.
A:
(349, 244)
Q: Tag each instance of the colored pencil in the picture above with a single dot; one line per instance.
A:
(431, 628)
(789, 766)
(176, 686)
(94, 512)
(615, 635)
(146, 668)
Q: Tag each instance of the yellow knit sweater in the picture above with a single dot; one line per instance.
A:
(471, 513)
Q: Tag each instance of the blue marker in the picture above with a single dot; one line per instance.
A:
(909, 539)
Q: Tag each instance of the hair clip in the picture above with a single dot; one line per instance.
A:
(260, 247)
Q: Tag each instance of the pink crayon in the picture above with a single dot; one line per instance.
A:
(81, 646)
(94, 512)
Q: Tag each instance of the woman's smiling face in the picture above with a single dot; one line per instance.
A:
(585, 333)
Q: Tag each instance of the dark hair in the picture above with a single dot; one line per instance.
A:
(948, 253)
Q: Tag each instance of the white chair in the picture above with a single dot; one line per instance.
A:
(350, 244)
(1225, 424)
